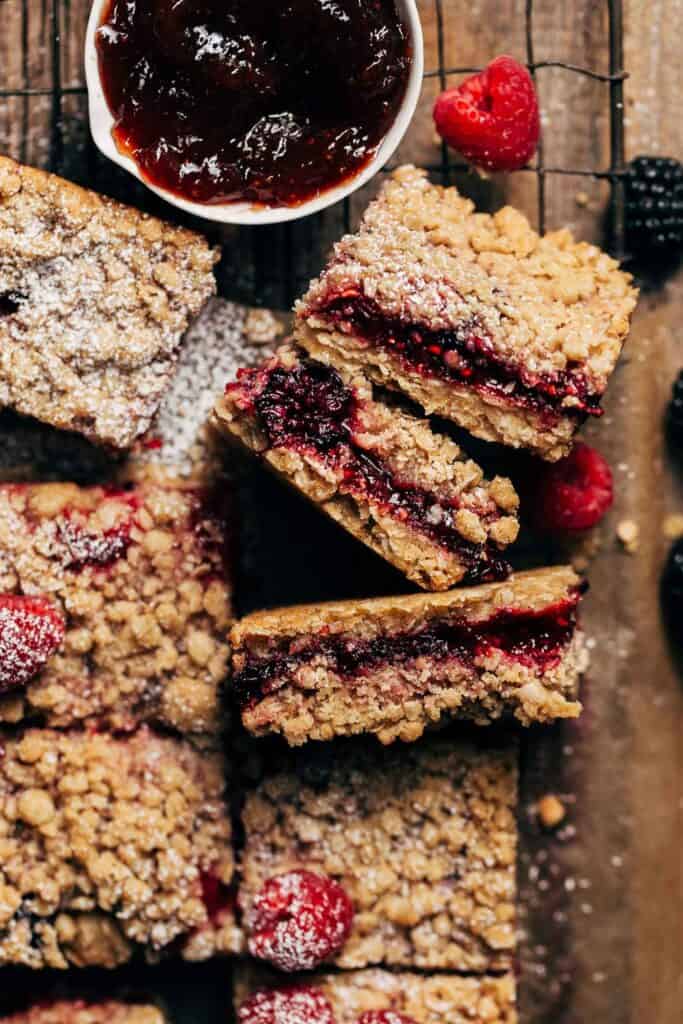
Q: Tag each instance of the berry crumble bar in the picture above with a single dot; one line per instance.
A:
(94, 300)
(393, 666)
(113, 605)
(422, 840)
(476, 317)
(407, 492)
(79, 1012)
(346, 998)
(108, 845)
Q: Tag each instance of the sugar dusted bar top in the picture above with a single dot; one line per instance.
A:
(512, 336)
(108, 846)
(114, 605)
(94, 300)
(436, 999)
(421, 838)
(79, 1012)
(394, 666)
(407, 491)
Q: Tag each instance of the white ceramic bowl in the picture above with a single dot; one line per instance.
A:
(102, 123)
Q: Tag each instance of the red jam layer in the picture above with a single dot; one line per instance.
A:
(255, 100)
(309, 408)
(534, 639)
(464, 354)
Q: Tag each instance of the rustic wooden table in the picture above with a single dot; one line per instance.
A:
(603, 901)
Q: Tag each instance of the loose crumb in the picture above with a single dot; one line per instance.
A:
(261, 327)
(672, 527)
(628, 533)
(551, 811)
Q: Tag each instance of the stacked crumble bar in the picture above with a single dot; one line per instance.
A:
(94, 300)
(475, 316)
(394, 666)
(407, 492)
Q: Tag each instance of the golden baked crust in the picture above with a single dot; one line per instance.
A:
(79, 1012)
(145, 631)
(426, 999)
(546, 305)
(311, 699)
(97, 298)
(423, 840)
(103, 845)
(483, 512)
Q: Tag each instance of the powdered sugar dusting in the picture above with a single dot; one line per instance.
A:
(300, 1005)
(299, 920)
(31, 630)
(215, 347)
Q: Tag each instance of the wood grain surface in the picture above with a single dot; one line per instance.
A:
(603, 902)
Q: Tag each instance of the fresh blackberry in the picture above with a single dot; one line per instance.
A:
(674, 415)
(654, 206)
(672, 588)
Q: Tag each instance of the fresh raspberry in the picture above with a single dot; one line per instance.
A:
(385, 1017)
(297, 1005)
(299, 920)
(31, 630)
(574, 493)
(492, 118)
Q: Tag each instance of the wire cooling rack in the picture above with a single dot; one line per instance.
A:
(614, 78)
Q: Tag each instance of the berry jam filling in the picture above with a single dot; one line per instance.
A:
(536, 640)
(99, 549)
(10, 302)
(463, 354)
(268, 102)
(309, 408)
(217, 897)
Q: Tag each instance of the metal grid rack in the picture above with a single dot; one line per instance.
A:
(614, 78)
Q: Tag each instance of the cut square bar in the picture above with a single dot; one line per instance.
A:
(80, 1012)
(114, 605)
(94, 300)
(422, 839)
(395, 666)
(510, 335)
(409, 493)
(110, 846)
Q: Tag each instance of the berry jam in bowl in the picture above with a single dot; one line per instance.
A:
(252, 113)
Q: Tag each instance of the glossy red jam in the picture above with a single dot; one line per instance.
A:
(259, 100)
(534, 639)
(465, 354)
(309, 408)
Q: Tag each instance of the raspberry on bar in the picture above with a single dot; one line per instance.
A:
(476, 317)
(94, 300)
(110, 846)
(407, 492)
(395, 666)
(113, 605)
(422, 839)
(374, 996)
(80, 1012)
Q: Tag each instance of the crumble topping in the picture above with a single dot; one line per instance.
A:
(435, 999)
(425, 257)
(138, 575)
(94, 300)
(103, 843)
(422, 841)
